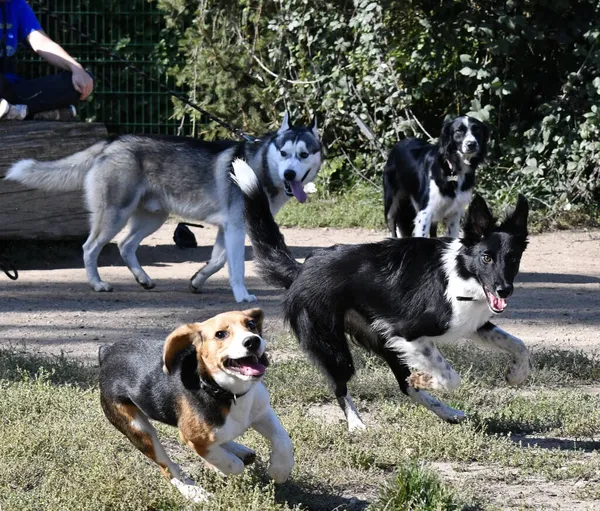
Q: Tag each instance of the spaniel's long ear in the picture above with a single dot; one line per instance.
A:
(445, 142)
(258, 316)
(178, 340)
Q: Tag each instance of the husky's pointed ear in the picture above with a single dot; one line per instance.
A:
(314, 127)
(479, 219)
(285, 124)
(516, 220)
(178, 340)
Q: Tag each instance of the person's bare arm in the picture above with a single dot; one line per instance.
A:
(54, 54)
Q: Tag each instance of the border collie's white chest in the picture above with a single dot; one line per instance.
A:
(443, 206)
(470, 310)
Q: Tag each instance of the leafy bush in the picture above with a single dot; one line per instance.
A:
(530, 68)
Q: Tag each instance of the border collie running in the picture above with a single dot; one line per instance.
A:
(424, 184)
(397, 298)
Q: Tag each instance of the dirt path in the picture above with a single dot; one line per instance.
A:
(51, 307)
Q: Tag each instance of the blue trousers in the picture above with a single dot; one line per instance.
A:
(42, 94)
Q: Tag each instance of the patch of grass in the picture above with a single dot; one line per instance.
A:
(57, 451)
(414, 488)
(551, 367)
(19, 365)
(360, 206)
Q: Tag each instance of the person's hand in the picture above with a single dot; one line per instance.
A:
(82, 82)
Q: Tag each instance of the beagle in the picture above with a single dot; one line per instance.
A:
(206, 380)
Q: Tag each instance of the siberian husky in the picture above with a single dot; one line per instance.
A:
(140, 180)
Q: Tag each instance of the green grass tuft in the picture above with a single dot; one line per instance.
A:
(414, 488)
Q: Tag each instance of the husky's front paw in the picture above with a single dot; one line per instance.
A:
(146, 282)
(519, 371)
(193, 288)
(241, 295)
(101, 287)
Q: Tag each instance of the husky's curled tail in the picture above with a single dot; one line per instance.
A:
(67, 174)
(275, 261)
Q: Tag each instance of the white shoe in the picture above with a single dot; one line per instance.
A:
(10, 112)
(61, 114)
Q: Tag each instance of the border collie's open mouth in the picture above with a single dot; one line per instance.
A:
(496, 305)
(247, 366)
(294, 189)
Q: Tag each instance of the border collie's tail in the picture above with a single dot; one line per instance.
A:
(275, 261)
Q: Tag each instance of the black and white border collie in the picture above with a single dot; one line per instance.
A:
(397, 298)
(424, 184)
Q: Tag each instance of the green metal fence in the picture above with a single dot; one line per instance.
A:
(125, 101)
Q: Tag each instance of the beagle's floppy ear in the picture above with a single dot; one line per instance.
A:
(258, 316)
(178, 340)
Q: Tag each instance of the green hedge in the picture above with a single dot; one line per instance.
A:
(531, 69)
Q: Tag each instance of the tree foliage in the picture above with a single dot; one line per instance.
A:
(529, 68)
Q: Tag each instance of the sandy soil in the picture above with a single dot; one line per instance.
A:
(51, 307)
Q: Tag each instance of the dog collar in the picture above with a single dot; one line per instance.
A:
(453, 176)
(219, 393)
(305, 175)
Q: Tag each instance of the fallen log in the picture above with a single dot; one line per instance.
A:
(35, 214)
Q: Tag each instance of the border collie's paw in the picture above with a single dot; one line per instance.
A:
(421, 380)
(355, 425)
(456, 416)
(518, 372)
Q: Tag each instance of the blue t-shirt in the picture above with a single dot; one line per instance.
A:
(19, 23)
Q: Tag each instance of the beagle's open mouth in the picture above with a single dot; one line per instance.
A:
(248, 366)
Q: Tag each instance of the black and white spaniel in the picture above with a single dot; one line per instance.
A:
(425, 184)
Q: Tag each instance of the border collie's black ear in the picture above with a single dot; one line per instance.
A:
(446, 139)
(516, 220)
(479, 219)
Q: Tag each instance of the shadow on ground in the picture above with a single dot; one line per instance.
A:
(557, 443)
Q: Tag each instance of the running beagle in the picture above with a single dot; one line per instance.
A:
(206, 380)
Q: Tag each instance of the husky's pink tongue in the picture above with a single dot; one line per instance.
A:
(498, 304)
(249, 368)
(298, 190)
